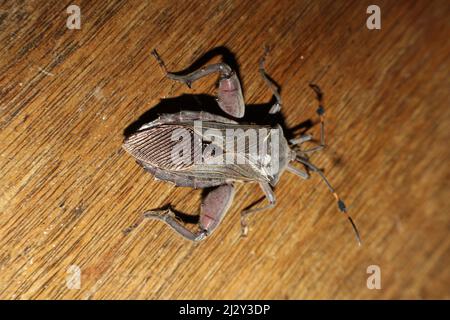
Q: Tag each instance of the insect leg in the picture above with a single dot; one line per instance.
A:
(188, 79)
(303, 138)
(302, 174)
(321, 113)
(214, 207)
(272, 201)
(270, 83)
(230, 96)
(341, 204)
(170, 219)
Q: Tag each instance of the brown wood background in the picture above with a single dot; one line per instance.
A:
(68, 190)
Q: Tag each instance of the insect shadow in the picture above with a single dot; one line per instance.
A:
(255, 113)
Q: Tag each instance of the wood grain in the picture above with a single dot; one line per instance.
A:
(68, 190)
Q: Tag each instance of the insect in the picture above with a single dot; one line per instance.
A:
(194, 149)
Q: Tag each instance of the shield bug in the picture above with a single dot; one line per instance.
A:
(204, 150)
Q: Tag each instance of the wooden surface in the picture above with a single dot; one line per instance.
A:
(68, 190)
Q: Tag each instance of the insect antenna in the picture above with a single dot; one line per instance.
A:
(161, 63)
(341, 204)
